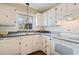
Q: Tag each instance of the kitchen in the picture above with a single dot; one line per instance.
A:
(39, 29)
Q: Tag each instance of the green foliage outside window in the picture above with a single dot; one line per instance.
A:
(24, 22)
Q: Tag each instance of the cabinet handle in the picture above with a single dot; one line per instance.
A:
(50, 38)
(46, 51)
(6, 15)
(42, 43)
(14, 9)
(74, 4)
(67, 15)
(25, 45)
(19, 43)
(14, 21)
(45, 41)
(61, 9)
(55, 8)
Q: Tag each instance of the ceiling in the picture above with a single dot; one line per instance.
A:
(41, 6)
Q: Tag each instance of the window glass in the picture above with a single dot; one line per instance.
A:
(25, 22)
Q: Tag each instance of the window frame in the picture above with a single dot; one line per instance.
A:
(25, 14)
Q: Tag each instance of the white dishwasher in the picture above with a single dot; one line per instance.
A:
(65, 47)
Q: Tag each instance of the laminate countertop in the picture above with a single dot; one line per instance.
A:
(24, 34)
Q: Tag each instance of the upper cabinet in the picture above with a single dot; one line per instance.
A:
(67, 10)
(61, 9)
(72, 10)
(45, 19)
(7, 15)
(73, 7)
(64, 11)
(38, 21)
(51, 18)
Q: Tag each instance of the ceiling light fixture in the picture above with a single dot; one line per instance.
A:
(27, 4)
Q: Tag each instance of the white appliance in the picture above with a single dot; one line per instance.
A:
(65, 47)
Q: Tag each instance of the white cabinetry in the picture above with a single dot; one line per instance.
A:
(73, 7)
(51, 17)
(12, 45)
(29, 44)
(9, 46)
(7, 15)
(26, 45)
(61, 11)
(45, 19)
(39, 19)
(67, 10)
(42, 38)
(72, 10)
(36, 43)
(45, 44)
(52, 46)
(3, 47)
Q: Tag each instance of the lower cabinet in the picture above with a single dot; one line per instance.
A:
(26, 45)
(3, 47)
(52, 46)
(45, 44)
(9, 46)
(36, 43)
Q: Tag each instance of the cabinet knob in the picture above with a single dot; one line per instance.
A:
(25, 45)
(61, 9)
(14, 21)
(74, 4)
(45, 41)
(6, 15)
(19, 43)
(55, 8)
(14, 9)
(46, 51)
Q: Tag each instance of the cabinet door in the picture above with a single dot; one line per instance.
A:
(42, 43)
(51, 18)
(52, 47)
(7, 15)
(72, 10)
(26, 44)
(45, 19)
(47, 45)
(36, 43)
(12, 45)
(3, 47)
(39, 19)
(73, 7)
(9, 46)
(60, 11)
